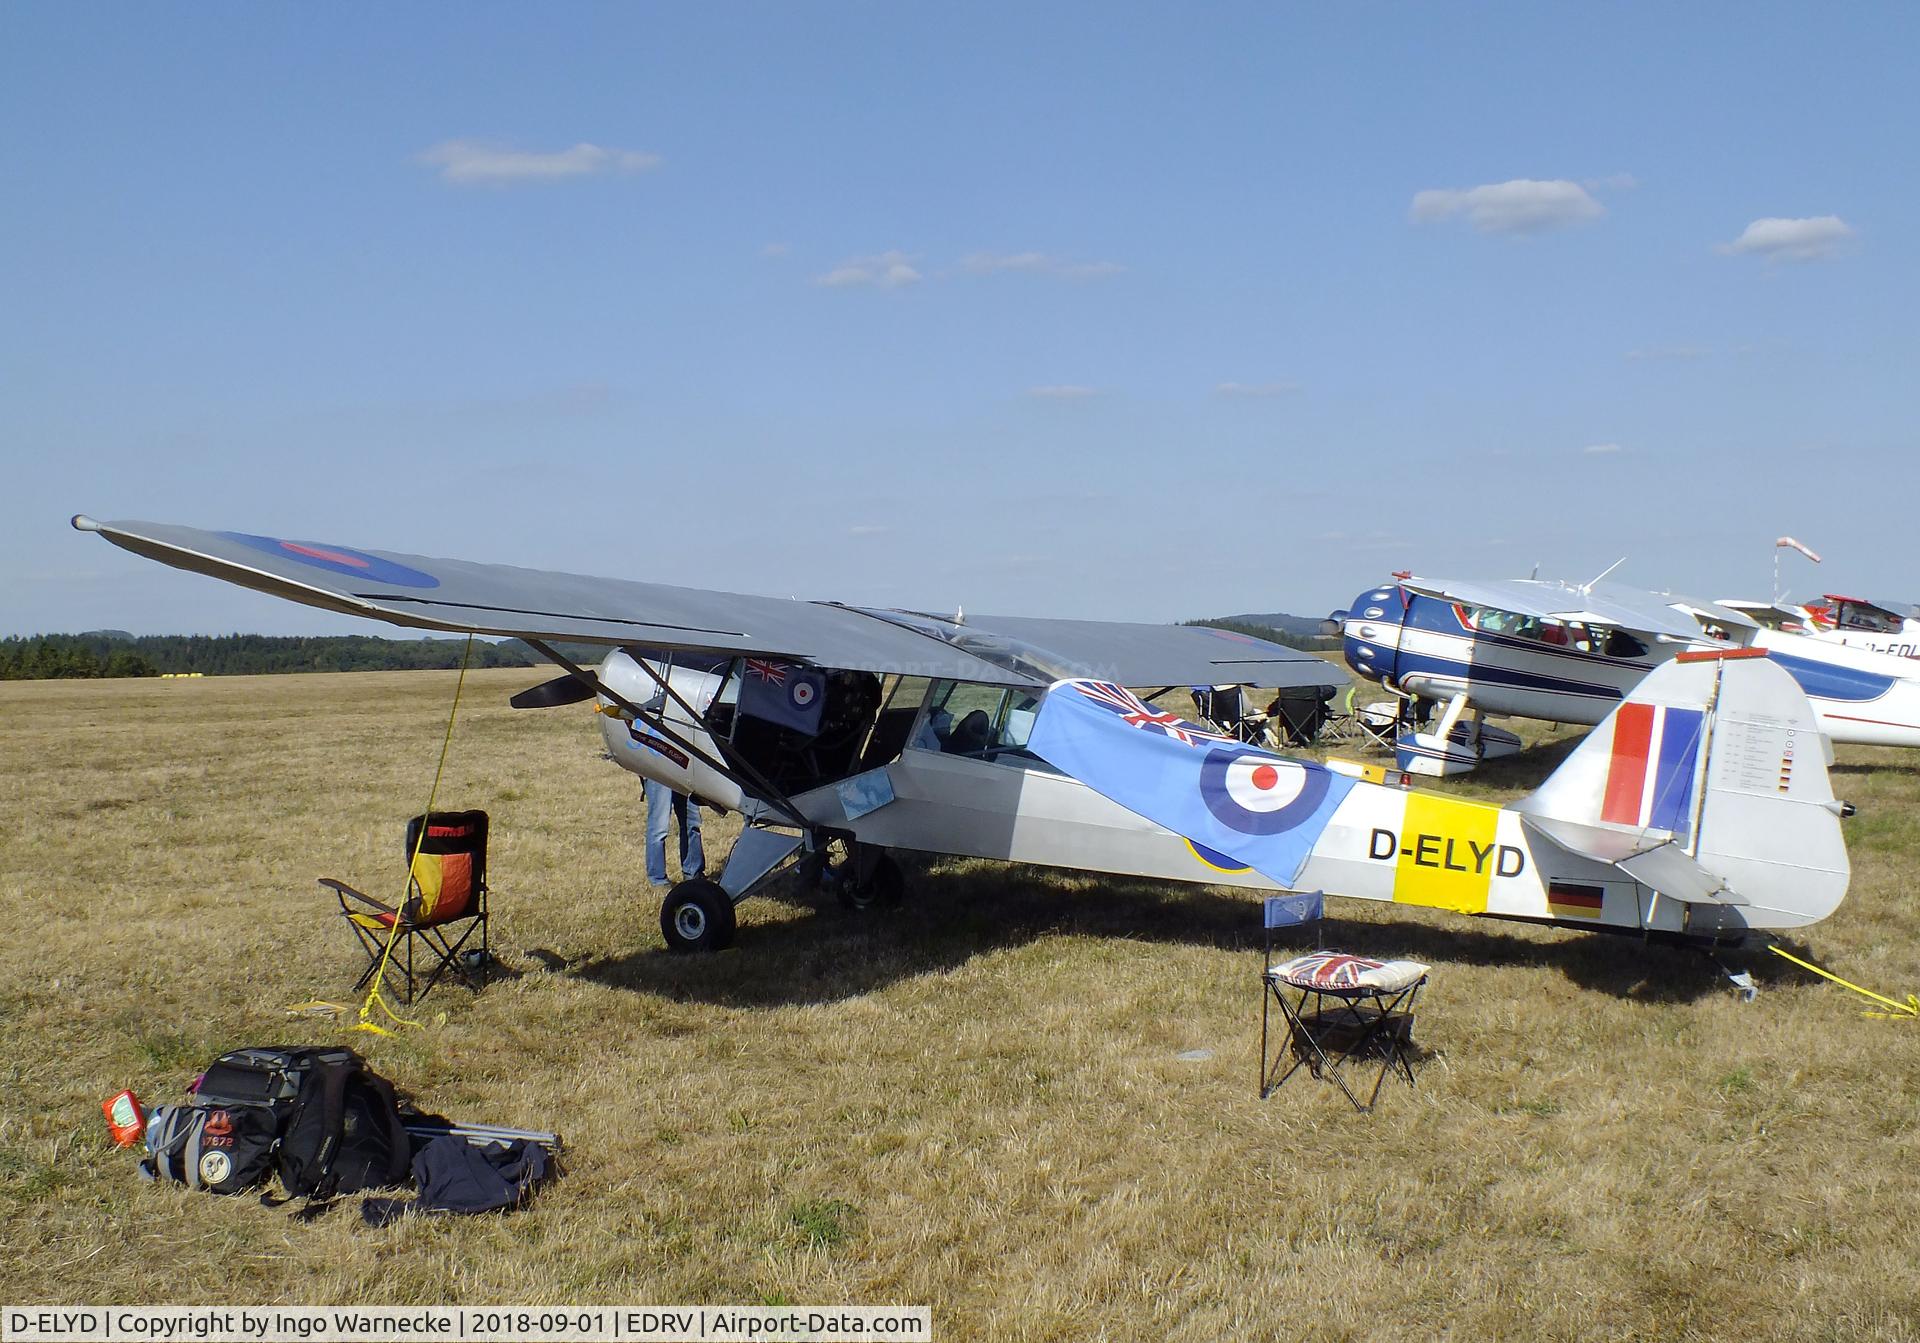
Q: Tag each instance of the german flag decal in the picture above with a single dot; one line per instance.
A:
(1571, 900)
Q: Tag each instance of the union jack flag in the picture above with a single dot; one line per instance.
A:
(1136, 712)
(1328, 970)
(765, 669)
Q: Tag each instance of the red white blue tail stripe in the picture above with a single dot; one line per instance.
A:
(1656, 750)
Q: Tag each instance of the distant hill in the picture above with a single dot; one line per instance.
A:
(1307, 627)
(1294, 631)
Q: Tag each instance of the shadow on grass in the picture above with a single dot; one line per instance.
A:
(1850, 768)
(954, 913)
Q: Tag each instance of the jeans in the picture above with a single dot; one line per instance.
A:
(667, 810)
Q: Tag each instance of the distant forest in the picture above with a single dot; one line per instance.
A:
(100, 653)
(48, 657)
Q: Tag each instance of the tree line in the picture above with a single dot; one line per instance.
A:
(115, 653)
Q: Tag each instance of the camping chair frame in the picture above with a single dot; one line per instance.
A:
(1361, 1022)
(442, 946)
(1364, 1020)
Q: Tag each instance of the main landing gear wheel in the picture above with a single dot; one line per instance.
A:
(870, 883)
(697, 915)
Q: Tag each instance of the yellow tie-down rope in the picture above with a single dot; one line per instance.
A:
(374, 996)
(1907, 1011)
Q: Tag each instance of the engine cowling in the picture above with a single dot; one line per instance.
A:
(637, 746)
(1370, 630)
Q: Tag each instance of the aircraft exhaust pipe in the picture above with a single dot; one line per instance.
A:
(1333, 624)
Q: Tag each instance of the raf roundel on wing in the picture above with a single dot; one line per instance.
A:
(1259, 794)
(339, 560)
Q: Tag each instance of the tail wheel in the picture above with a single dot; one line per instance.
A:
(697, 915)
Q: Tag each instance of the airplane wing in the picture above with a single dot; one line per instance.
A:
(1613, 605)
(1772, 614)
(496, 599)
(1894, 611)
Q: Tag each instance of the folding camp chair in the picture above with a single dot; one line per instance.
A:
(1224, 708)
(446, 904)
(1300, 712)
(1373, 724)
(1378, 723)
(1342, 724)
(1339, 1009)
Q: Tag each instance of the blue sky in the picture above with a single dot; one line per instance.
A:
(1108, 311)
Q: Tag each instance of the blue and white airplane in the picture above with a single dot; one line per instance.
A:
(1566, 653)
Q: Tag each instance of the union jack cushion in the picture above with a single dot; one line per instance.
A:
(1338, 970)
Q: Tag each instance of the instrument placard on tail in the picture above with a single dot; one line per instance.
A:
(1754, 755)
(1446, 855)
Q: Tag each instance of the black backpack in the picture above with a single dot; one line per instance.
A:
(338, 1121)
(343, 1132)
(222, 1149)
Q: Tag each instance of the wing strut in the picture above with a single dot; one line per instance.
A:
(740, 771)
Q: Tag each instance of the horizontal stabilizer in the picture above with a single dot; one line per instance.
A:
(1602, 843)
(1670, 871)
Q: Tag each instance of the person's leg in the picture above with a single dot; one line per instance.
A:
(660, 800)
(693, 856)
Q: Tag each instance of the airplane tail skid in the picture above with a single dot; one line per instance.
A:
(1709, 786)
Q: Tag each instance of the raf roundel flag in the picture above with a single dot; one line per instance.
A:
(783, 692)
(1262, 810)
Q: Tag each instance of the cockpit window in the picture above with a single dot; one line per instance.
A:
(1570, 634)
(1865, 619)
(1016, 721)
(985, 722)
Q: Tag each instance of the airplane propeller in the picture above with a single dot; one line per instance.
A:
(552, 694)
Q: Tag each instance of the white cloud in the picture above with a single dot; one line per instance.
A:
(884, 270)
(775, 249)
(1792, 239)
(1519, 206)
(472, 162)
(1037, 263)
(869, 529)
(1602, 449)
(1063, 392)
(1278, 387)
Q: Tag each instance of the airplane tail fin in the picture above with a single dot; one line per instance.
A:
(1709, 785)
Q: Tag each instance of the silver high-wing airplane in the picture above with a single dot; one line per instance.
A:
(1701, 809)
(1566, 653)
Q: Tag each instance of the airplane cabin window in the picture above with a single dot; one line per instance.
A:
(1620, 644)
(904, 696)
(1016, 721)
(986, 722)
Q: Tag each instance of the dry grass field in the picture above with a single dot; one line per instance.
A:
(976, 1101)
